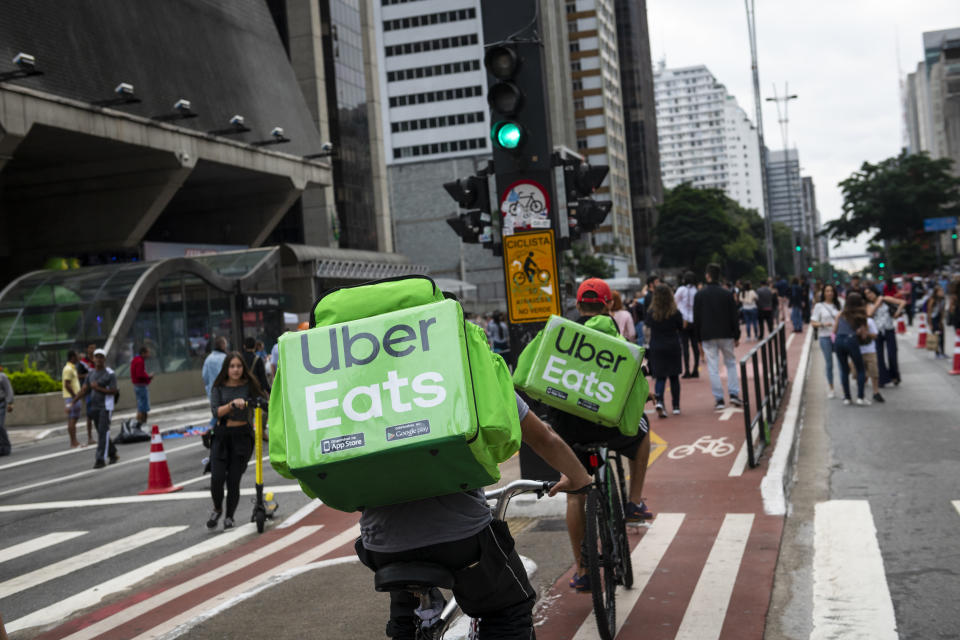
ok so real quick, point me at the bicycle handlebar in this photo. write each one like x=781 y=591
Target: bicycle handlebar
x=504 y=494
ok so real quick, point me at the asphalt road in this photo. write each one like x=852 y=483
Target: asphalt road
x=131 y=535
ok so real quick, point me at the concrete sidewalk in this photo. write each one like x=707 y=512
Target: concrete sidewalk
x=32 y=433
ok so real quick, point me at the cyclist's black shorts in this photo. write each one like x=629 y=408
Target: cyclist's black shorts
x=576 y=430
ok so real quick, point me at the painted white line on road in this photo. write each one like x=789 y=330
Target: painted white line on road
x=301 y=513
x=22 y=549
x=81 y=474
x=85 y=559
x=707 y=607
x=740 y=464
x=851 y=599
x=728 y=413
x=772 y=485
x=956 y=505
x=646 y=558
x=90 y=597
x=272 y=581
x=145 y=606
x=161 y=497
x=790 y=339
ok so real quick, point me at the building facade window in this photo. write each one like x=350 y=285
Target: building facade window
x=433 y=70
x=435 y=96
x=439 y=147
x=429 y=19
x=436 y=44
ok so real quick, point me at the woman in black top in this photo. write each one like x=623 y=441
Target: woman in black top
x=664 y=355
x=232 y=436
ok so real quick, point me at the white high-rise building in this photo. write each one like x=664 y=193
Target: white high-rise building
x=706 y=138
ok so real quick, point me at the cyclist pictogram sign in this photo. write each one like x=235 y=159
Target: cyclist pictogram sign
x=525 y=205
x=530 y=267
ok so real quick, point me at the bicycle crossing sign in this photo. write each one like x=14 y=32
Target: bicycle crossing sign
x=530 y=268
x=524 y=206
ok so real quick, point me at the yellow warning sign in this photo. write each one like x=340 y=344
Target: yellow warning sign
x=530 y=267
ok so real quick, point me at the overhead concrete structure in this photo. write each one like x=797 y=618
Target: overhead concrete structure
x=83 y=172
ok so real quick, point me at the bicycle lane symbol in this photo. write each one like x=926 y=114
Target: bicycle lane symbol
x=716 y=447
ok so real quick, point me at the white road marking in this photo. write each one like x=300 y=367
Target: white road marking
x=728 y=413
x=81 y=474
x=48 y=456
x=85 y=559
x=707 y=607
x=304 y=558
x=772 y=485
x=301 y=513
x=851 y=599
x=956 y=505
x=790 y=339
x=160 y=497
x=206 y=476
x=740 y=464
x=36 y=544
x=272 y=581
x=646 y=558
x=85 y=599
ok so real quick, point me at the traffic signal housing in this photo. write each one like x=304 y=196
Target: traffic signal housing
x=581 y=180
x=471 y=193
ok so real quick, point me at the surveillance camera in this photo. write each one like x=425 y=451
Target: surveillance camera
x=237 y=121
x=124 y=89
x=277 y=132
x=327 y=147
x=182 y=105
x=24 y=60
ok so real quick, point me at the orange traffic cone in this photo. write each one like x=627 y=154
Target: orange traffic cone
x=922 y=332
x=159 y=480
x=901 y=325
x=956 y=356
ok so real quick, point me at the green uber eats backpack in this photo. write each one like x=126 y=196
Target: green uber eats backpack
x=587 y=370
x=392 y=397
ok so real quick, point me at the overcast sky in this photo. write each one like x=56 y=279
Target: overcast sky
x=838 y=56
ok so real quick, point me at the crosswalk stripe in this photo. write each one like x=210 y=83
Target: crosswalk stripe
x=159 y=599
x=22 y=549
x=85 y=559
x=707 y=607
x=88 y=598
x=645 y=558
x=850 y=594
x=956 y=505
x=304 y=558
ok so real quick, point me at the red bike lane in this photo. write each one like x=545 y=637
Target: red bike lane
x=704 y=568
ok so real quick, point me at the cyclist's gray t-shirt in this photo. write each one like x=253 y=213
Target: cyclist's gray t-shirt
x=409 y=525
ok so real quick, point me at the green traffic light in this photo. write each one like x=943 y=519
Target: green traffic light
x=954 y=236
x=508 y=135
x=883 y=264
x=799 y=248
x=810 y=269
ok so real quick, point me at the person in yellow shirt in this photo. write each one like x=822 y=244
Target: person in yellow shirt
x=71 y=387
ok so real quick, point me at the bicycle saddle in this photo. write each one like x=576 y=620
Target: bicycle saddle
x=412 y=576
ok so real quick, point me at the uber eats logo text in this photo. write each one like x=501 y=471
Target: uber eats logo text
x=364 y=402
x=577 y=346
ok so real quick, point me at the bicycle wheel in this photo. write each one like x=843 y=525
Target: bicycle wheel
x=603 y=579
x=621 y=544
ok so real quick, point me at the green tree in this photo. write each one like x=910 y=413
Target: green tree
x=586 y=264
x=890 y=199
x=693 y=227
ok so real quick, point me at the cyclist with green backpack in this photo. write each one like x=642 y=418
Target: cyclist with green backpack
x=593 y=303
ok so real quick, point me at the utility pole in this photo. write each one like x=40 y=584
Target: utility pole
x=767 y=222
x=783 y=118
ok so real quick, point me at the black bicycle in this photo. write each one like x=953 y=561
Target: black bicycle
x=435 y=615
x=606 y=549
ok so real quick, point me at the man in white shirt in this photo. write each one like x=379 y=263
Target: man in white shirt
x=684 y=299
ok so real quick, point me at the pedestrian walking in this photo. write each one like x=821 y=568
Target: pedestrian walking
x=748 y=305
x=499 y=336
x=878 y=308
x=795 y=299
x=637 y=310
x=718 y=331
x=936 y=312
x=824 y=314
x=254 y=363
x=101 y=383
x=70 y=381
x=233 y=438
x=664 y=355
x=688 y=341
x=849 y=327
x=6 y=406
x=84 y=367
x=765 y=308
x=623 y=318
x=868 y=351
x=141 y=381
x=211 y=367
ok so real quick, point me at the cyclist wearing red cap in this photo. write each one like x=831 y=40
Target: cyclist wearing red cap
x=593 y=306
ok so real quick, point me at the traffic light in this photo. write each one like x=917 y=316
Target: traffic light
x=810 y=269
x=799 y=248
x=954 y=236
x=505 y=98
x=580 y=181
x=472 y=193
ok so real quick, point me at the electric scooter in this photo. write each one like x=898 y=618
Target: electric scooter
x=264 y=506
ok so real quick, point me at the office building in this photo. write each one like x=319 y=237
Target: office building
x=706 y=138
x=932 y=100
x=819 y=245
x=786 y=192
x=640 y=122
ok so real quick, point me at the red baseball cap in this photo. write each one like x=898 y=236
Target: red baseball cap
x=600 y=289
